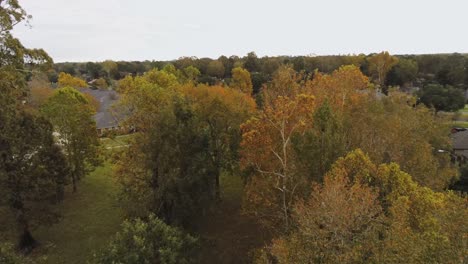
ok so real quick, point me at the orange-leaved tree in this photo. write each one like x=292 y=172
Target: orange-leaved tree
x=266 y=149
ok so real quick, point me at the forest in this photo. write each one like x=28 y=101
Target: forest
x=286 y=159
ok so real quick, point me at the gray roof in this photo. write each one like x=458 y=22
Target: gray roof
x=460 y=140
x=105 y=117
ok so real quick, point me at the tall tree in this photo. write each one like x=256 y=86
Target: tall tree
x=267 y=150
x=380 y=64
x=27 y=180
x=251 y=62
x=33 y=174
x=221 y=111
x=320 y=146
x=72 y=116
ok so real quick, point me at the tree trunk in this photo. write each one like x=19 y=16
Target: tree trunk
x=59 y=193
x=217 y=187
x=74 y=183
x=27 y=243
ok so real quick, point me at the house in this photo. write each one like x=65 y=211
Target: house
x=106 y=118
x=460 y=144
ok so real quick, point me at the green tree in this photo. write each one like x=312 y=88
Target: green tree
x=442 y=97
x=221 y=111
x=166 y=170
x=93 y=69
x=27 y=180
x=72 y=117
x=251 y=62
x=403 y=73
x=318 y=148
x=33 y=175
x=150 y=241
x=191 y=73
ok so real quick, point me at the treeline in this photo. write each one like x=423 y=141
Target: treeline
x=445 y=69
x=440 y=80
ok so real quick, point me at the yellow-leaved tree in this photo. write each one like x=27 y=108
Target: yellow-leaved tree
x=67 y=80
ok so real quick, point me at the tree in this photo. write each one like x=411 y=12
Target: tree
x=66 y=80
x=221 y=111
x=215 y=69
x=39 y=91
x=101 y=83
x=286 y=82
x=27 y=180
x=452 y=71
x=380 y=64
x=339 y=223
x=150 y=241
x=319 y=147
x=342 y=88
x=167 y=169
x=392 y=129
x=365 y=213
x=93 y=69
x=191 y=74
x=33 y=175
x=72 y=117
x=403 y=73
x=251 y=62
x=442 y=97
x=111 y=68
x=266 y=149
x=241 y=81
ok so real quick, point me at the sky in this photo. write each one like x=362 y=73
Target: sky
x=96 y=30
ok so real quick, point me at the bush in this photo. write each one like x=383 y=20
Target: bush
x=150 y=241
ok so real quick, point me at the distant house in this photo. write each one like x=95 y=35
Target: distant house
x=460 y=144
x=106 y=118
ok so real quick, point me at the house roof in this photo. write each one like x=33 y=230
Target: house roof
x=460 y=140
x=105 y=117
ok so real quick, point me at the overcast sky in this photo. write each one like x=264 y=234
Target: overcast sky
x=95 y=30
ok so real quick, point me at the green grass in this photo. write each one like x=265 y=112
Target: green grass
x=460 y=123
x=90 y=218
x=117 y=142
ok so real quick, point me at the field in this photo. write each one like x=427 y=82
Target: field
x=90 y=218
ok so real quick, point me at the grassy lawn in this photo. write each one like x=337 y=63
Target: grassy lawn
x=90 y=218
x=117 y=142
